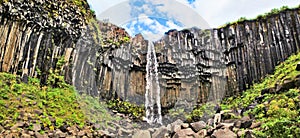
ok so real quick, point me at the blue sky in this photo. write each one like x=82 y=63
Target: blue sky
x=154 y=17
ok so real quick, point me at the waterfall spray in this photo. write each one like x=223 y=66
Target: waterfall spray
x=152 y=95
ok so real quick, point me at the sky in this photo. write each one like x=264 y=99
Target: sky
x=154 y=17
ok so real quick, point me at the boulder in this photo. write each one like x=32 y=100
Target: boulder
x=142 y=134
x=183 y=133
x=224 y=133
x=246 y=122
x=202 y=133
x=255 y=125
x=286 y=85
x=160 y=132
x=197 y=126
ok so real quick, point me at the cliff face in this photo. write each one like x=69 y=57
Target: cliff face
x=35 y=34
x=194 y=65
x=199 y=65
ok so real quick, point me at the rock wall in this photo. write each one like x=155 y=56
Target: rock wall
x=35 y=34
x=200 y=65
x=194 y=65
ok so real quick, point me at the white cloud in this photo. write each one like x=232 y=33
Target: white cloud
x=215 y=12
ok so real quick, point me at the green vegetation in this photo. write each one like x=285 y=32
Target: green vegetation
x=262 y=16
x=206 y=110
x=82 y=5
x=125 y=107
x=279 y=112
x=52 y=107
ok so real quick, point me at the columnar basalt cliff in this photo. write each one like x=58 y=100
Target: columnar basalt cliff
x=200 y=65
x=35 y=34
x=194 y=65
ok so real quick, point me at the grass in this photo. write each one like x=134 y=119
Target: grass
x=53 y=107
x=279 y=112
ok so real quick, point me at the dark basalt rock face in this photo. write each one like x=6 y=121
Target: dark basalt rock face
x=200 y=65
x=194 y=65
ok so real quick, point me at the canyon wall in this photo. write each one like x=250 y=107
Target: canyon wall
x=194 y=65
x=199 y=65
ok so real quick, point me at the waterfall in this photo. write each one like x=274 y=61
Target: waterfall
x=152 y=95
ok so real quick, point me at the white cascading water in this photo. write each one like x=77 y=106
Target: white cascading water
x=152 y=96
